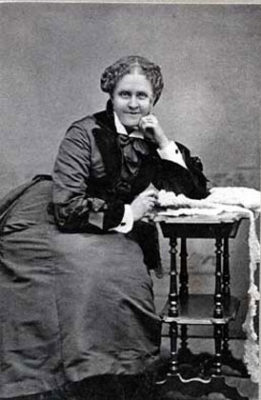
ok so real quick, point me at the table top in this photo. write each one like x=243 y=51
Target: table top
x=223 y=218
x=223 y=225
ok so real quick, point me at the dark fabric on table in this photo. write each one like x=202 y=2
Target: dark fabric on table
x=76 y=298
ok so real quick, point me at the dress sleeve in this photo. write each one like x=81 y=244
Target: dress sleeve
x=189 y=181
x=73 y=208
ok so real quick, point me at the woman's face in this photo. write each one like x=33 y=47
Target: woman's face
x=132 y=99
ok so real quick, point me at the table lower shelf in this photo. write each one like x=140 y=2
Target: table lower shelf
x=198 y=309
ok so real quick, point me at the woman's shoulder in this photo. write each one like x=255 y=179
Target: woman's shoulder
x=88 y=124
x=82 y=130
x=85 y=123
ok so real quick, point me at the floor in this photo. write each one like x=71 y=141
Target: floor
x=245 y=387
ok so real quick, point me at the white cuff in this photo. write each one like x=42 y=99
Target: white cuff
x=172 y=153
x=127 y=221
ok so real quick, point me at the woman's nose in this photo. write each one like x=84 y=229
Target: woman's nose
x=133 y=103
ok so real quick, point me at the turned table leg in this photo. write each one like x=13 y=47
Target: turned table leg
x=226 y=272
x=173 y=290
x=183 y=290
x=226 y=339
x=173 y=332
x=184 y=338
x=218 y=311
x=218 y=348
x=173 y=307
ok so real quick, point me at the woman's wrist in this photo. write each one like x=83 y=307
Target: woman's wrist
x=163 y=142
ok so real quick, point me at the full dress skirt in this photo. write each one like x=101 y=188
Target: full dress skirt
x=72 y=305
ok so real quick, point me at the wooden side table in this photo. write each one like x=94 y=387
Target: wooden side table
x=184 y=309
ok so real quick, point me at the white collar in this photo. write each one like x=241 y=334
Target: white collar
x=121 y=129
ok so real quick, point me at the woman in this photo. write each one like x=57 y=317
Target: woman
x=76 y=294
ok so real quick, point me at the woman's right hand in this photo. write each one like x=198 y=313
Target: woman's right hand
x=143 y=203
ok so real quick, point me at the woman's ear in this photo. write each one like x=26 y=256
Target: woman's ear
x=154 y=100
x=111 y=100
x=109 y=106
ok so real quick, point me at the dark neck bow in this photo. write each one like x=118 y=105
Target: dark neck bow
x=133 y=149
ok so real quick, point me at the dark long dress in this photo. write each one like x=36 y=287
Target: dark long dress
x=76 y=298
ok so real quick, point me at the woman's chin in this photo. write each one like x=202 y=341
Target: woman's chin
x=131 y=121
x=132 y=124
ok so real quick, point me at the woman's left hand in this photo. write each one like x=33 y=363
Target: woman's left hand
x=152 y=129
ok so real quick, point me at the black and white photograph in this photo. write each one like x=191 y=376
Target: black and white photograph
x=129 y=201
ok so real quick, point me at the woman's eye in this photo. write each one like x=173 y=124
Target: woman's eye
x=142 y=96
x=124 y=94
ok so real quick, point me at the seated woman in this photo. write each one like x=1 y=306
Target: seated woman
x=76 y=293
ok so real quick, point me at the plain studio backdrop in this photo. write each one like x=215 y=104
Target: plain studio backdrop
x=52 y=57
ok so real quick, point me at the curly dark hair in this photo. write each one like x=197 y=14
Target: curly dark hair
x=126 y=65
